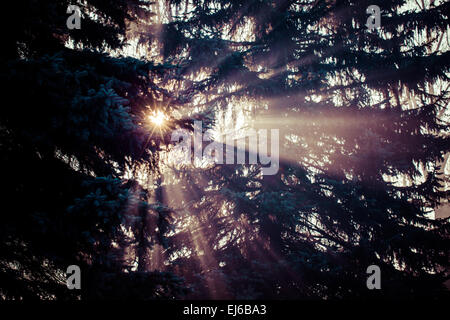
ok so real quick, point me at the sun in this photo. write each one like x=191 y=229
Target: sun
x=158 y=118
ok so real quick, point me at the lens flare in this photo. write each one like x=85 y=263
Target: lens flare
x=158 y=118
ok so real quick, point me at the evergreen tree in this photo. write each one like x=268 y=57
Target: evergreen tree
x=357 y=109
x=363 y=127
x=75 y=122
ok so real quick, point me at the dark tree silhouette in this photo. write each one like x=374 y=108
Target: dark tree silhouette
x=74 y=123
x=363 y=137
x=357 y=110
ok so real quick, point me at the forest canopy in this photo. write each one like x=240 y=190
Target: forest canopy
x=357 y=123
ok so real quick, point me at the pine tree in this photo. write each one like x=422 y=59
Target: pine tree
x=357 y=110
x=73 y=124
x=363 y=127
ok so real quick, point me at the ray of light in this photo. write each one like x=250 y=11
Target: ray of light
x=193 y=227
